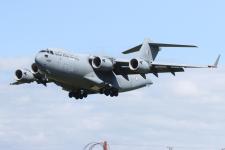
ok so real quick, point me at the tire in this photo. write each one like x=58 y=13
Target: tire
x=71 y=94
x=76 y=97
x=85 y=95
x=107 y=92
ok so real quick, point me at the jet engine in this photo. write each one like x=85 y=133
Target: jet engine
x=35 y=70
x=24 y=76
x=103 y=64
x=140 y=66
x=40 y=77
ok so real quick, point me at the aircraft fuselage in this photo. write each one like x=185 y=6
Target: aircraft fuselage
x=76 y=72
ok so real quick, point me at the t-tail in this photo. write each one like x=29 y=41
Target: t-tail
x=149 y=50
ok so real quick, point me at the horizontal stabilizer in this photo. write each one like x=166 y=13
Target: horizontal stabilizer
x=158 y=45
x=170 y=45
x=132 y=50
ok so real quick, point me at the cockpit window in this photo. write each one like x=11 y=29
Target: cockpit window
x=42 y=51
x=47 y=51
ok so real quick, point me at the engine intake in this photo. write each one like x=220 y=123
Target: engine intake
x=24 y=76
x=34 y=68
x=103 y=64
x=140 y=66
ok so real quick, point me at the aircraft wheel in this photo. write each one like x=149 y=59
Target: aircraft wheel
x=101 y=91
x=107 y=92
x=79 y=96
x=112 y=93
x=70 y=94
x=76 y=96
x=85 y=95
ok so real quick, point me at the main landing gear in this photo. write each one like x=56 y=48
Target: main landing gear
x=80 y=94
x=110 y=92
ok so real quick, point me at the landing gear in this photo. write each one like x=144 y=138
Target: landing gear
x=80 y=94
x=71 y=94
x=109 y=92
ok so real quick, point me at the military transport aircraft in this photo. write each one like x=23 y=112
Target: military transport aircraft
x=83 y=74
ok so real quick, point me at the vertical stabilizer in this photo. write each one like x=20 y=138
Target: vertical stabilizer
x=148 y=52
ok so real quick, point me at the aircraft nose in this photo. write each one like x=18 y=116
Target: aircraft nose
x=38 y=59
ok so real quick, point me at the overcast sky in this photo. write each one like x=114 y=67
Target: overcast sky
x=186 y=111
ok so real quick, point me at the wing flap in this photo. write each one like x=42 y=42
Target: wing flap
x=125 y=70
x=158 y=65
x=215 y=65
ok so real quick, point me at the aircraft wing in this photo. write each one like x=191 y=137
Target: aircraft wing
x=186 y=66
x=17 y=83
x=165 y=65
x=122 y=67
x=38 y=82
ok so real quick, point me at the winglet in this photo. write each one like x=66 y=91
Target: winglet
x=216 y=63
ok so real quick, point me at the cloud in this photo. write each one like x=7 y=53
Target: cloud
x=185 y=110
x=185 y=88
x=8 y=64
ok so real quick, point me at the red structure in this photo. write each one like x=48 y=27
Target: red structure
x=92 y=145
x=105 y=146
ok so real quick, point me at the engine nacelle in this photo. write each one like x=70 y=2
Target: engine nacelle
x=25 y=76
x=34 y=68
x=139 y=65
x=38 y=74
x=103 y=64
x=36 y=71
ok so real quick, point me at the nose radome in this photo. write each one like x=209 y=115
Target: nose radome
x=38 y=59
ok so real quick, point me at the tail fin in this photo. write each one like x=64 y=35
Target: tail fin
x=149 y=50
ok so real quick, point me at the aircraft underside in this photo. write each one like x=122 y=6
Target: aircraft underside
x=81 y=88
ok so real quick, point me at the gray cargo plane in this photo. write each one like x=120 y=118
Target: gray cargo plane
x=83 y=74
